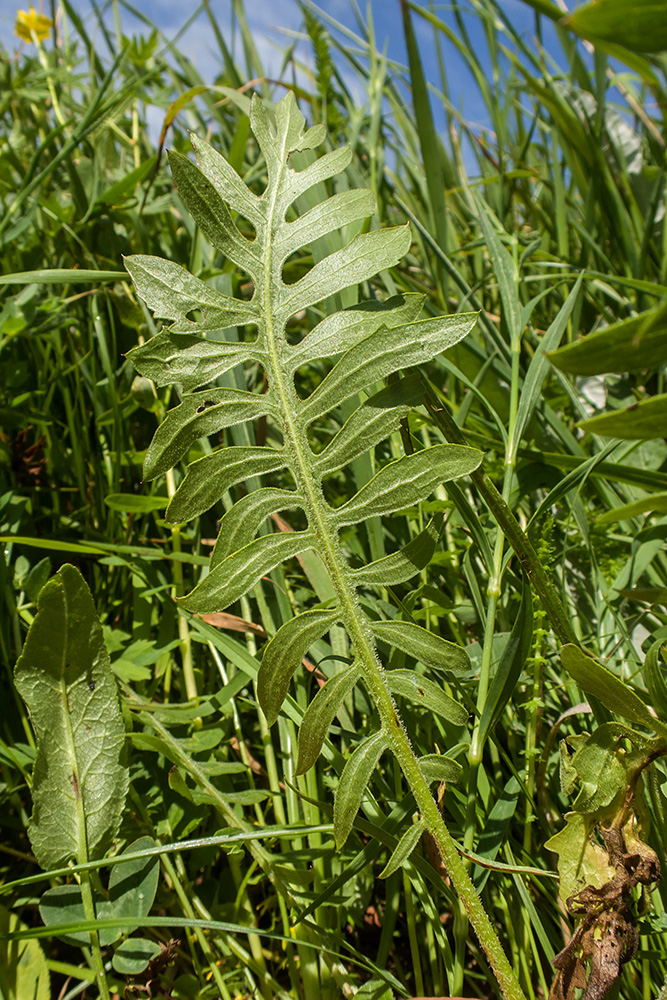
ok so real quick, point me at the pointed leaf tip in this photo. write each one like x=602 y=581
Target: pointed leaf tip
x=354 y=780
x=284 y=653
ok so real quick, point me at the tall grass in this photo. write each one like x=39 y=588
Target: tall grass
x=551 y=222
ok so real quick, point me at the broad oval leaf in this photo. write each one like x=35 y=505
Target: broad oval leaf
x=132 y=957
x=239 y=572
x=284 y=653
x=80 y=779
x=629 y=346
x=170 y=358
x=197 y=416
x=644 y=421
x=436 y=767
x=239 y=525
x=210 y=477
x=383 y=352
x=132 y=888
x=404 y=564
x=353 y=783
x=403 y=849
x=320 y=714
x=64 y=905
x=595 y=679
x=408 y=480
x=418 y=642
x=424 y=693
x=133 y=884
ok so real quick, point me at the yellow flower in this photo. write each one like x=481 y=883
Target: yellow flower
x=26 y=23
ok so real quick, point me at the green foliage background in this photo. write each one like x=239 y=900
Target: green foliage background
x=568 y=186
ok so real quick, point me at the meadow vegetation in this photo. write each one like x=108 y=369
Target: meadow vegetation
x=483 y=399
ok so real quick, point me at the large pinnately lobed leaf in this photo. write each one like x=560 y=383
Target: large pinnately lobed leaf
x=366 y=344
x=65 y=678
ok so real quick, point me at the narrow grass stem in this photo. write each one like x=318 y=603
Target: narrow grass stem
x=177 y=591
x=411 y=920
x=188 y=911
x=96 y=951
x=515 y=535
x=43 y=58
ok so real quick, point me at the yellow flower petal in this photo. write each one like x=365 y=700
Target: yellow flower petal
x=26 y=23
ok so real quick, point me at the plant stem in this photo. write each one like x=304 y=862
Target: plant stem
x=89 y=910
x=321 y=519
x=82 y=859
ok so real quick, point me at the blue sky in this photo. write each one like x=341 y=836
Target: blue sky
x=274 y=22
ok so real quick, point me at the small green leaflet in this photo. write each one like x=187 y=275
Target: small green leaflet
x=371 y=423
x=239 y=525
x=320 y=714
x=284 y=653
x=235 y=575
x=353 y=783
x=199 y=415
x=404 y=564
x=188 y=360
x=403 y=849
x=425 y=646
x=408 y=480
x=340 y=331
x=210 y=477
x=437 y=767
x=424 y=693
x=384 y=352
x=172 y=292
x=211 y=214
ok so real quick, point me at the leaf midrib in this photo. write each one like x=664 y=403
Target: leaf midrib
x=304 y=471
x=74 y=776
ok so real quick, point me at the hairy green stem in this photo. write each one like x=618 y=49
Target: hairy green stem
x=321 y=520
